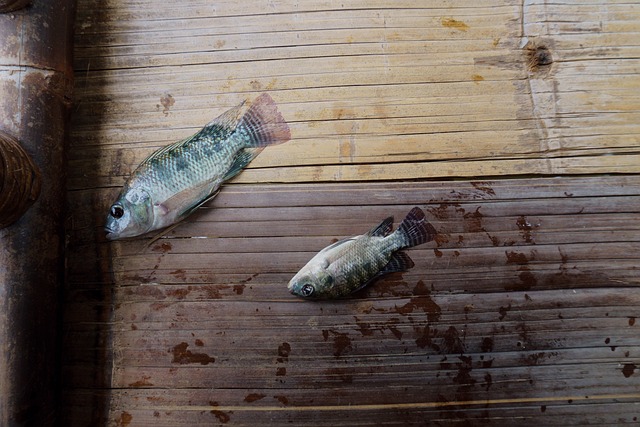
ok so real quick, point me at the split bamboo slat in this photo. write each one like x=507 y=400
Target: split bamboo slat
x=513 y=125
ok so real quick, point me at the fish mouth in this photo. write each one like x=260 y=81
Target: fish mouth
x=111 y=233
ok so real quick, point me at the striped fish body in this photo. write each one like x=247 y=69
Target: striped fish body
x=175 y=180
x=352 y=263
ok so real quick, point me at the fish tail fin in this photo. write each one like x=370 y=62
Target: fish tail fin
x=415 y=229
x=264 y=123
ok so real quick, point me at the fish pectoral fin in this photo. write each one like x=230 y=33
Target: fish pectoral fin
x=399 y=261
x=183 y=202
x=192 y=209
x=243 y=158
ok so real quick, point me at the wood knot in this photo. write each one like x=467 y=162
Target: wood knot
x=538 y=56
x=20 y=180
x=13 y=5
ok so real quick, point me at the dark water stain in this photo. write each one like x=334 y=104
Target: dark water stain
x=213 y=291
x=442 y=211
x=180 y=293
x=632 y=320
x=473 y=221
x=503 y=311
x=284 y=350
x=125 y=419
x=183 y=356
x=421 y=301
x=222 y=416
x=162 y=247
x=525 y=229
x=441 y=239
x=453 y=343
x=179 y=274
x=527 y=280
x=533 y=359
x=487 y=345
x=341 y=343
x=466 y=382
x=144 y=382
x=167 y=102
x=281 y=372
x=282 y=399
x=150 y=291
x=516 y=258
x=248 y=279
x=524 y=336
x=464 y=371
x=488 y=380
x=365 y=328
x=485 y=364
x=484 y=186
x=425 y=338
x=325 y=334
x=628 y=369
x=254 y=397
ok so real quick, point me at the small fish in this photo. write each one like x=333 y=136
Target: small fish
x=352 y=263
x=177 y=179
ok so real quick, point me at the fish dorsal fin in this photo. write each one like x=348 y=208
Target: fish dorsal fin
x=336 y=244
x=159 y=153
x=227 y=120
x=223 y=126
x=382 y=229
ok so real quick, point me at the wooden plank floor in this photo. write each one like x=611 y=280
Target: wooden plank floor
x=514 y=125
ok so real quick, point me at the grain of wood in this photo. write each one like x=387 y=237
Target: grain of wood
x=513 y=125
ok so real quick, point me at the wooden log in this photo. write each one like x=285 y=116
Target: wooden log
x=35 y=92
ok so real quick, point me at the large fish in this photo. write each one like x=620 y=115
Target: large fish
x=352 y=263
x=175 y=180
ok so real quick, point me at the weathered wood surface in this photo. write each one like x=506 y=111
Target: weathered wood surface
x=514 y=125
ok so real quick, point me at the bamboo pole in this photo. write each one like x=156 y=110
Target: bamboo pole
x=35 y=87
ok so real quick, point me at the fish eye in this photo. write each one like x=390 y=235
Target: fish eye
x=117 y=211
x=307 y=289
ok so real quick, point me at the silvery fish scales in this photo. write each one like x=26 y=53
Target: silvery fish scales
x=175 y=180
x=352 y=263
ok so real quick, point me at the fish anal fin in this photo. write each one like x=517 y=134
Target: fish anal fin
x=399 y=261
x=182 y=203
x=243 y=158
